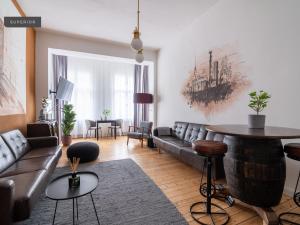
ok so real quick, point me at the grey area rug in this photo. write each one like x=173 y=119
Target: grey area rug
x=125 y=195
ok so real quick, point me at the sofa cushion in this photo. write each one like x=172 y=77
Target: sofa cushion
x=137 y=135
x=16 y=142
x=28 y=187
x=162 y=131
x=7 y=158
x=175 y=141
x=190 y=157
x=167 y=138
x=180 y=143
x=192 y=132
x=179 y=129
x=28 y=165
x=167 y=143
x=211 y=136
x=202 y=133
x=41 y=152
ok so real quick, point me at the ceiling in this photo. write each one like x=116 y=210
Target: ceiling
x=114 y=20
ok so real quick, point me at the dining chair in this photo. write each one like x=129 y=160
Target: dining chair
x=119 y=126
x=91 y=126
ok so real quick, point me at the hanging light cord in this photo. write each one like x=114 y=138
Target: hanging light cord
x=138 y=16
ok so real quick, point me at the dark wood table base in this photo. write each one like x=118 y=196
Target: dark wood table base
x=255 y=170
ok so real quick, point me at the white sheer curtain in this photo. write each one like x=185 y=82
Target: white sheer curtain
x=100 y=85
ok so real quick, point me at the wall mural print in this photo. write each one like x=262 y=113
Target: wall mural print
x=216 y=81
x=12 y=70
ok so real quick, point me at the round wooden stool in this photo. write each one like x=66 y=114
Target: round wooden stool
x=293 y=152
x=210 y=212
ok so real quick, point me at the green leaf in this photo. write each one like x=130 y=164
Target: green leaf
x=258 y=101
x=69 y=120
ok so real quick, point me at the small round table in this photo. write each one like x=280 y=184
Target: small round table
x=255 y=165
x=58 y=189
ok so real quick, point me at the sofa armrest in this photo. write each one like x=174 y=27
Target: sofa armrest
x=42 y=142
x=7 y=189
x=162 y=131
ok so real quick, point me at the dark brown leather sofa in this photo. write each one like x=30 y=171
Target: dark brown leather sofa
x=178 y=142
x=25 y=168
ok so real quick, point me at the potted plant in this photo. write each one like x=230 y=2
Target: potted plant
x=258 y=102
x=67 y=124
x=106 y=113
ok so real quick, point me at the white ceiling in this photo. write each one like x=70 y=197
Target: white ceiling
x=114 y=20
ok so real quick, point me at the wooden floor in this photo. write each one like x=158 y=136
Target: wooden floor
x=178 y=181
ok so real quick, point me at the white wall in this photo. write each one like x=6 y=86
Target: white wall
x=46 y=40
x=268 y=35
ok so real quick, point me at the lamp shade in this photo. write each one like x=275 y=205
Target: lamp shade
x=136 y=44
x=143 y=98
x=139 y=57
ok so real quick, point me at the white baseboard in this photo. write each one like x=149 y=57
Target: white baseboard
x=288 y=191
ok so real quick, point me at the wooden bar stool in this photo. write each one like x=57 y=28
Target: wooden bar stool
x=211 y=212
x=293 y=152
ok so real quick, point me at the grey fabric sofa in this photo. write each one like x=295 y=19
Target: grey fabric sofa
x=178 y=142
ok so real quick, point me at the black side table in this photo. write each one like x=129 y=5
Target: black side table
x=59 y=190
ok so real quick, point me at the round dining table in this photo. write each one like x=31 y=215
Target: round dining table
x=255 y=165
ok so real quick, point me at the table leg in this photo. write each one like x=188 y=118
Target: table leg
x=95 y=208
x=77 y=209
x=97 y=132
x=73 y=211
x=54 y=213
x=115 y=130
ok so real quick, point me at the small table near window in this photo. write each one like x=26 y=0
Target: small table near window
x=113 y=123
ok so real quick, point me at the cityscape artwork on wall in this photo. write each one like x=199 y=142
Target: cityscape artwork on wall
x=216 y=80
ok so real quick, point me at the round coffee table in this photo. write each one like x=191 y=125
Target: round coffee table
x=58 y=190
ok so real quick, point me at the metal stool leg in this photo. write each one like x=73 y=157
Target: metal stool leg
x=218 y=191
x=203 y=185
x=73 y=211
x=208 y=198
x=208 y=210
x=285 y=220
x=76 y=209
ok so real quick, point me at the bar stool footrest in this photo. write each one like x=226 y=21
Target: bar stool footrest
x=286 y=221
x=213 y=215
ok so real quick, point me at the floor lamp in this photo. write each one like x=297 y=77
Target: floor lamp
x=142 y=98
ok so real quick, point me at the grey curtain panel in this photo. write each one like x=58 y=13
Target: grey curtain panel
x=137 y=89
x=60 y=69
x=145 y=89
x=141 y=85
